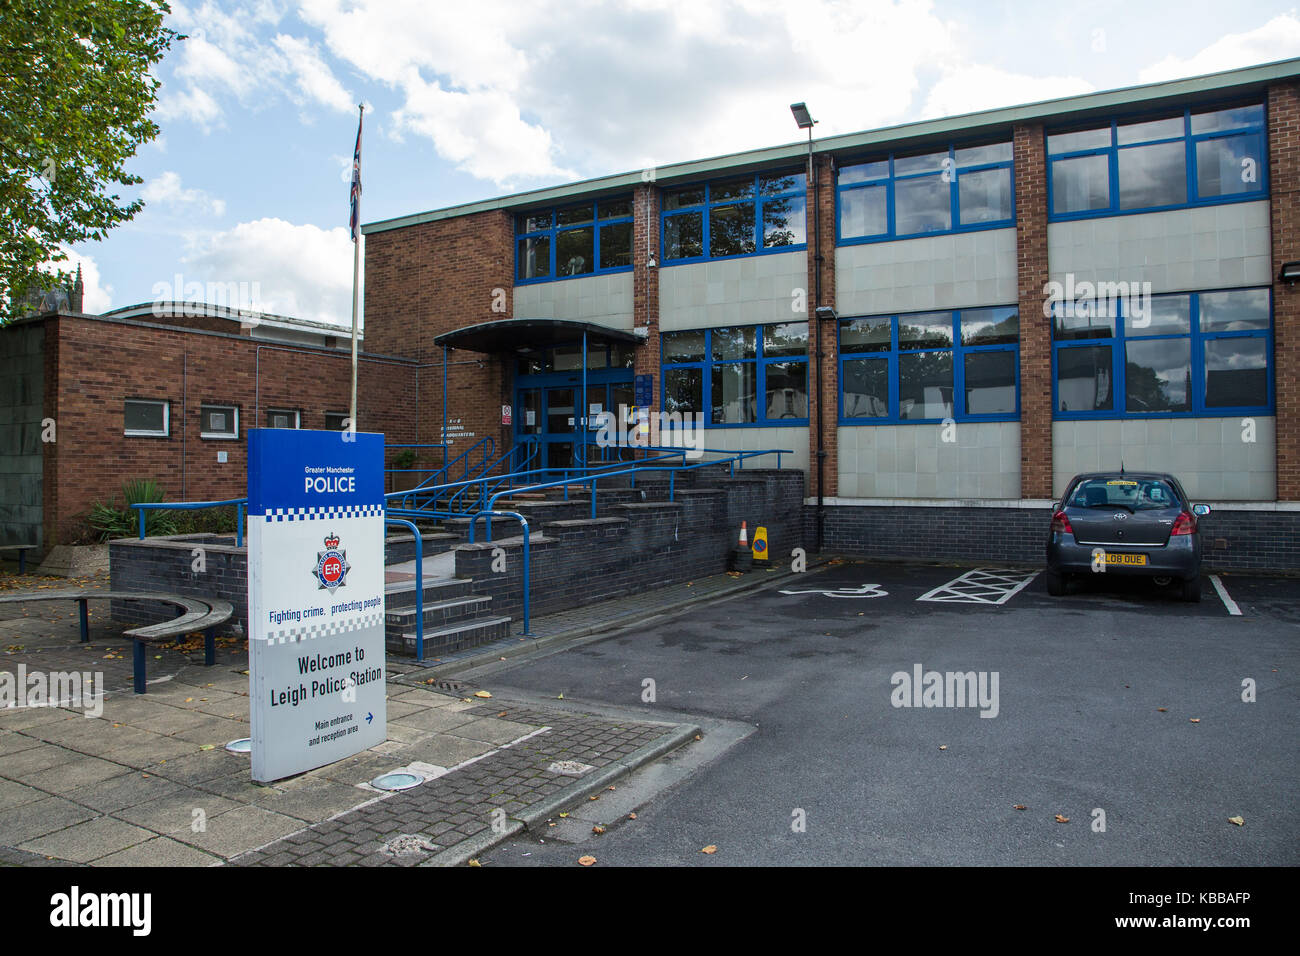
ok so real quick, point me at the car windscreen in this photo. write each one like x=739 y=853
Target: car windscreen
x=1135 y=494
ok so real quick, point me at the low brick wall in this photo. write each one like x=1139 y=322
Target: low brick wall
x=1233 y=540
x=169 y=564
x=635 y=546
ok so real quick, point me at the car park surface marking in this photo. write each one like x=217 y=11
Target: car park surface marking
x=865 y=591
x=1228 y=602
x=981 y=586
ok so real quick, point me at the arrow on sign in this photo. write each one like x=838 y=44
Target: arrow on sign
x=369 y=717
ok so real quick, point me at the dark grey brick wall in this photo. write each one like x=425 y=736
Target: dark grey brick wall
x=167 y=564
x=1233 y=540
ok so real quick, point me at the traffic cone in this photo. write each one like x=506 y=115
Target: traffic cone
x=744 y=539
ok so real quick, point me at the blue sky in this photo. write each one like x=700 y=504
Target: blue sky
x=246 y=187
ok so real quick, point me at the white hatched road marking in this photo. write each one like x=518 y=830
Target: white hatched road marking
x=865 y=591
x=1228 y=602
x=981 y=586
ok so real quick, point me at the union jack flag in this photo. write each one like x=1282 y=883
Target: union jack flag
x=354 y=196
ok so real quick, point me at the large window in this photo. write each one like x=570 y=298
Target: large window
x=1196 y=353
x=746 y=375
x=574 y=241
x=947 y=190
x=1194 y=157
x=734 y=217
x=929 y=366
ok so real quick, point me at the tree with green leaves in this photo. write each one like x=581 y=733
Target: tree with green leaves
x=76 y=93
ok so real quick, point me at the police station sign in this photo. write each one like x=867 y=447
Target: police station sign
x=315 y=597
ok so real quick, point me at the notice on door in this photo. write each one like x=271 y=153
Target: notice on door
x=315 y=598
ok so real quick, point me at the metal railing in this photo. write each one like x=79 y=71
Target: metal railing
x=239 y=503
x=487 y=444
x=419 y=587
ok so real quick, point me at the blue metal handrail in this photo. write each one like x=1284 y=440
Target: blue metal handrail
x=419 y=585
x=523 y=522
x=487 y=443
x=239 y=503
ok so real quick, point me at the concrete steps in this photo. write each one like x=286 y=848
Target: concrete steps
x=454 y=617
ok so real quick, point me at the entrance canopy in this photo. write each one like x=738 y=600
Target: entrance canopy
x=514 y=335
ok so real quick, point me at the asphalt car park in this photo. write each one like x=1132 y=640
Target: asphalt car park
x=1119 y=722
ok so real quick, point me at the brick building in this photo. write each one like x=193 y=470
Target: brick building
x=167 y=391
x=945 y=320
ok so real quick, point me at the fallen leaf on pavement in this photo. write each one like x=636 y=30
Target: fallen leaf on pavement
x=502 y=714
x=481 y=693
x=586 y=860
x=943 y=746
x=1163 y=710
x=631 y=816
x=563 y=815
x=1239 y=821
x=475 y=863
x=1019 y=806
x=710 y=849
x=598 y=829
x=1194 y=720
x=1061 y=819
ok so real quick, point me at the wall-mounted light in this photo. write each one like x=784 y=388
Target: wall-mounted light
x=801 y=115
x=1290 y=272
x=826 y=312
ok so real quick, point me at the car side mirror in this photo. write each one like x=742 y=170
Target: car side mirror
x=1200 y=510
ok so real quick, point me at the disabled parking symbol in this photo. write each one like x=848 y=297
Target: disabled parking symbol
x=863 y=591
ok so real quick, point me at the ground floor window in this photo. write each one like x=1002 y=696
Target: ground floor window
x=282 y=418
x=146 y=418
x=1192 y=353
x=930 y=366
x=219 y=421
x=740 y=375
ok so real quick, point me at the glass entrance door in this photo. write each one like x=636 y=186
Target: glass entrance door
x=560 y=428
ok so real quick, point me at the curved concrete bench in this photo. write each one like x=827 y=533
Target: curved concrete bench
x=196 y=615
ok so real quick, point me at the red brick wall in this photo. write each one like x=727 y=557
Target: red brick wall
x=434 y=277
x=828 y=397
x=93 y=366
x=1284 y=180
x=1035 y=332
x=645 y=282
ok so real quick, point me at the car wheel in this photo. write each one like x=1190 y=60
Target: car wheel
x=1055 y=583
x=1192 y=589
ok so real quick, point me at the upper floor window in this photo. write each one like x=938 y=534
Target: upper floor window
x=746 y=375
x=734 y=217
x=930 y=366
x=1193 y=353
x=947 y=190
x=1184 y=159
x=574 y=240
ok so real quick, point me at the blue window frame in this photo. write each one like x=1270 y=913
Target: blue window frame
x=570 y=241
x=902 y=195
x=1196 y=157
x=930 y=366
x=739 y=216
x=752 y=375
x=1190 y=354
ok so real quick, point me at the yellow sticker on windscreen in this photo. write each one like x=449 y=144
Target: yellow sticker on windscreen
x=1121 y=481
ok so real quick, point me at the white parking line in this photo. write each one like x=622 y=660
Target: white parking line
x=981 y=586
x=1228 y=602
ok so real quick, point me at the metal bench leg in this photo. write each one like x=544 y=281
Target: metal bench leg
x=138 y=656
x=22 y=561
x=85 y=622
x=209 y=647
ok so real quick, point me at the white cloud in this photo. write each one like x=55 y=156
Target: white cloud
x=166 y=189
x=301 y=271
x=312 y=76
x=191 y=104
x=969 y=89
x=97 y=296
x=1279 y=39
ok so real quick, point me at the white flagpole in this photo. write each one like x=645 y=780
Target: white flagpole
x=356 y=271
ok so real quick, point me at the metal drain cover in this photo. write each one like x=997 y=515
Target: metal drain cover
x=241 y=746
x=400 y=780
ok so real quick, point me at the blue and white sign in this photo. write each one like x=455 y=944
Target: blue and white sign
x=315 y=597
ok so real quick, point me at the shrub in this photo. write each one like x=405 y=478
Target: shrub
x=111 y=520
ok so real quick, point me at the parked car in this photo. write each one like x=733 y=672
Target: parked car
x=1129 y=524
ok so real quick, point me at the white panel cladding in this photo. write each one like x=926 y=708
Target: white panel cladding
x=746 y=291
x=1209 y=247
x=914 y=461
x=1212 y=457
x=763 y=439
x=603 y=300
x=954 y=271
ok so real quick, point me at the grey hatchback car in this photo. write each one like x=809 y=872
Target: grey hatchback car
x=1131 y=524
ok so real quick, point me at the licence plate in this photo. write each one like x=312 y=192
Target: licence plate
x=1130 y=559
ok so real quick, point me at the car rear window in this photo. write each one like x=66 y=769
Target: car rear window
x=1136 y=494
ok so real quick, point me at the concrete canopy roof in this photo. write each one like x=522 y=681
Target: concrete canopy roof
x=1067 y=110
x=513 y=335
